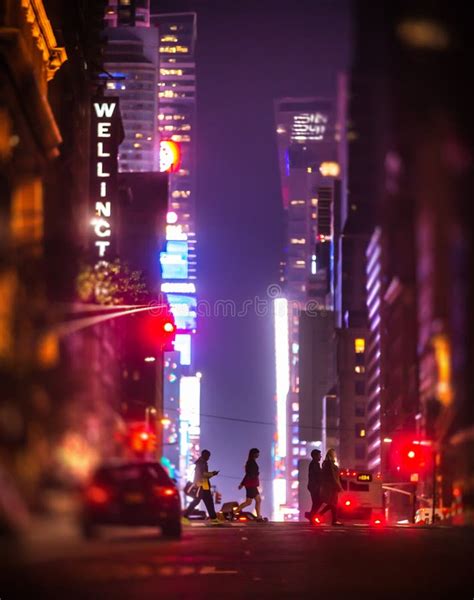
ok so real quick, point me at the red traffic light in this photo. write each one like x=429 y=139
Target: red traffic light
x=411 y=456
x=159 y=331
x=140 y=439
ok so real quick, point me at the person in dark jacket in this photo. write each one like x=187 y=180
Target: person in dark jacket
x=202 y=477
x=251 y=482
x=330 y=485
x=314 y=482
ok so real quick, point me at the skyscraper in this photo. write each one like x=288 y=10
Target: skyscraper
x=131 y=62
x=306 y=140
x=177 y=116
x=176 y=129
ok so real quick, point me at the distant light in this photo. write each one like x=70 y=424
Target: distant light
x=199 y=375
x=282 y=365
x=171 y=218
x=165 y=422
x=387 y=440
x=423 y=33
x=150 y=359
x=168 y=327
x=411 y=454
x=330 y=169
x=170 y=156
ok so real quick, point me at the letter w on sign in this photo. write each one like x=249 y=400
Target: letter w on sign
x=104 y=109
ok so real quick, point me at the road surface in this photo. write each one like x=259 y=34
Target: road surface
x=254 y=561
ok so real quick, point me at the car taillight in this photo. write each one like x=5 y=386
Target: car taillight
x=165 y=492
x=377 y=520
x=347 y=503
x=96 y=494
x=243 y=519
x=317 y=520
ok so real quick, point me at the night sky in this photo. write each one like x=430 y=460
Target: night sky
x=248 y=53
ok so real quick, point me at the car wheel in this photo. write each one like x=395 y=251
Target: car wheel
x=171 y=529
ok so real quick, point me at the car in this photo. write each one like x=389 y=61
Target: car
x=131 y=494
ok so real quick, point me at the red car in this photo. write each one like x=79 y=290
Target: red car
x=132 y=494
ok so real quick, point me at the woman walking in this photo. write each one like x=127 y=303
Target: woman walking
x=330 y=485
x=251 y=482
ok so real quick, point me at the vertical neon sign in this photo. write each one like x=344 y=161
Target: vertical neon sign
x=104 y=168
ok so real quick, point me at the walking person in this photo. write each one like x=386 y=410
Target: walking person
x=314 y=483
x=251 y=482
x=330 y=485
x=202 y=477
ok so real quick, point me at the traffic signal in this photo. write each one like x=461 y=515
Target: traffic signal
x=141 y=439
x=412 y=456
x=159 y=331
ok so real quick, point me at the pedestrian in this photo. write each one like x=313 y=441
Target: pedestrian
x=251 y=482
x=202 y=477
x=314 y=482
x=330 y=485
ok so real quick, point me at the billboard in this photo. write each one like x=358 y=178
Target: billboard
x=184 y=309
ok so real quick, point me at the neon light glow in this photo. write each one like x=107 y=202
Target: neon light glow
x=104 y=151
x=178 y=288
x=170 y=156
x=279 y=498
x=171 y=218
x=175 y=232
x=189 y=402
x=282 y=370
x=182 y=344
x=308 y=127
x=184 y=309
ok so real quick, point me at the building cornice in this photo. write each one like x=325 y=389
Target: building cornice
x=53 y=56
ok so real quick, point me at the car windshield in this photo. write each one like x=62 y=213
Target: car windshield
x=148 y=473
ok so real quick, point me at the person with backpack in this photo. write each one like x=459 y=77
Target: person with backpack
x=202 y=477
x=251 y=483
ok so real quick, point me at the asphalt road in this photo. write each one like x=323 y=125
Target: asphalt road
x=257 y=561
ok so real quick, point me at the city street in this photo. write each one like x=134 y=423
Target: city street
x=251 y=561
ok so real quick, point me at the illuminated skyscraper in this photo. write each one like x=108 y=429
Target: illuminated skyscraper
x=176 y=120
x=131 y=64
x=306 y=138
x=177 y=116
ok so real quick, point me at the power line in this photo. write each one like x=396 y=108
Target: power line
x=267 y=423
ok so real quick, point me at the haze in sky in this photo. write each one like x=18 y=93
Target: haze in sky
x=248 y=54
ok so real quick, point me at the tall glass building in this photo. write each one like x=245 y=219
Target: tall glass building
x=306 y=138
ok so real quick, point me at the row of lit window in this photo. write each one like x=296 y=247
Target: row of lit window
x=171 y=94
x=174 y=49
x=162 y=117
x=175 y=128
x=140 y=136
x=181 y=194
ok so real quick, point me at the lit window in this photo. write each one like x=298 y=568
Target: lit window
x=359 y=369
x=169 y=38
x=360 y=430
x=314 y=201
x=139 y=135
x=137 y=145
x=298 y=241
x=111 y=85
x=295 y=452
x=297 y=202
x=295 y=406
x=359 y=345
